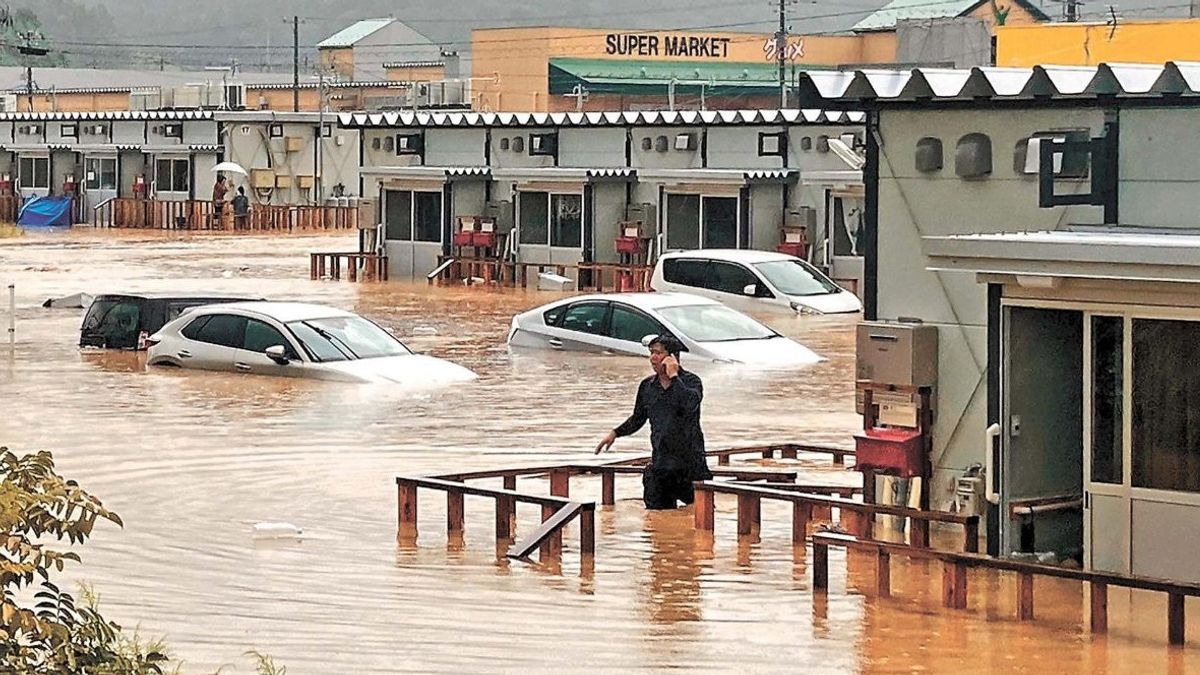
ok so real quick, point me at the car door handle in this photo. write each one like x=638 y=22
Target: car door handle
x=242 y=367
x=184 y=354
x=556 y=343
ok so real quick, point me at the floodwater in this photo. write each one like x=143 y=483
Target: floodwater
x=192 y=460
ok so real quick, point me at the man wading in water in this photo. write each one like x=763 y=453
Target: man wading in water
x=670 y=400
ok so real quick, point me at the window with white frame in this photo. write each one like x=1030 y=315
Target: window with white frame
x=551 y=218
x=100 y=173
x=701 y=221
x=172 y=175
x=413 y=216
x=34 y=173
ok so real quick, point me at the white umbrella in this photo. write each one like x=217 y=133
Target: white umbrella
x=230 y=167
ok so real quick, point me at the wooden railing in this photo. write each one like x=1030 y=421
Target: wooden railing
x=195 y=214
x=558 y=509
x=154 y=214
x=374 y=266
x=590 y=276
x=858 y=517
x=606 y=277
x=954 y=579
x=556 y=513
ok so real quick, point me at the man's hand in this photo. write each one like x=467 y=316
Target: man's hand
x=607 y=442
x=671 y=367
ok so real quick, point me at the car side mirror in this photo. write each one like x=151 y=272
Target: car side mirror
x=750 y=290
x=277 y=354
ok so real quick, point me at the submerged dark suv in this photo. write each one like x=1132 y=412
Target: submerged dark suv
x=124 y=321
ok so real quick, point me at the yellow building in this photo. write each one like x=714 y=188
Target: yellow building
x=1088 y=44
x=547 y=69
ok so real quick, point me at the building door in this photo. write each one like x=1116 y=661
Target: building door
x=1106 y=500
x=1042 y=429
x=412 y=231
x=550 y=227
x=99 y=181
x=173 y=179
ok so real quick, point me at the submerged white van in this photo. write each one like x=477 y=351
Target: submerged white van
x=753 y=280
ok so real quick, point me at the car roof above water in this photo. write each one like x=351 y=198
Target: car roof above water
x=648 y=300
x=283 y=312
x=733 y=255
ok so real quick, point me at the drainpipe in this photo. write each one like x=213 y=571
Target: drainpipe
x=671 y=95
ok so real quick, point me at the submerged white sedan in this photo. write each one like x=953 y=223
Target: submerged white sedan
x=619 y=322
x=291 y=339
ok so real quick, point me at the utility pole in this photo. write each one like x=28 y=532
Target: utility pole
x=26 y=49
x=295 y=64
x=781 y=50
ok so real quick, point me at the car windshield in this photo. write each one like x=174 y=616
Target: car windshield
x=715 y=323
x=796 y=277
x=344 y=338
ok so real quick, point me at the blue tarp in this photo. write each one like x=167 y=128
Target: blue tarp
x=46 y=212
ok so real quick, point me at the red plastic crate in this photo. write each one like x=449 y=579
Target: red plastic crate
x=463 y=238
x=483 y=239
x=631 y=245
x=798 y=250
x=890 y=450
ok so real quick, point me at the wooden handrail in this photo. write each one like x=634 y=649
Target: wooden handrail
x=749 y=497
x=329 y=264
x=556 y=513
x=954 y=579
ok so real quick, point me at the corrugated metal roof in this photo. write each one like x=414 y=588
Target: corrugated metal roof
x=125 y=115
x=597 y=119
x=889 y=15
x=872 y=88
x=414 y=64
x=349 y=36
x=771 y=175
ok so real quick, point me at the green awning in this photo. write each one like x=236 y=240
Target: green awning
x=612 y=76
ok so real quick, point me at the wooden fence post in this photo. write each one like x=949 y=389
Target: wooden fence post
x=801 y=514
x=407 y=502
x=820 y=566
x=748 y=513
x=505 y=506
x=587 y=532
x=551 y=549
x=1176 y=619
x=704 y=509
x=454 y=512
x=1025 y=596
x=883 y=573
x=954 y=585
x=560 y=483
x=608 y=488
x=1099 y=608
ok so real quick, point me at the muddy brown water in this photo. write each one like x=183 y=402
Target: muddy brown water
x=192 y=460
